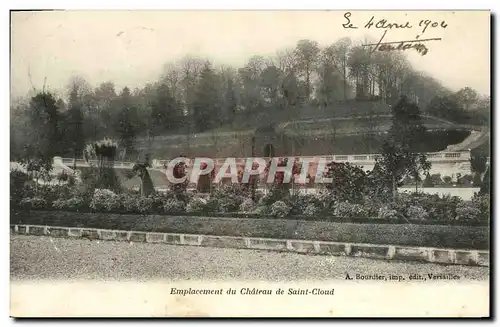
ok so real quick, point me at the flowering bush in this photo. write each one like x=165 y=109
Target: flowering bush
x=135 y=204
x=261 y=210
x=248 y=205
x=482 y=202
x=196 y=205
x=33 y=203
x=174 y=206
x=311 y=210
x=350 y=210
x=18 y=180
x=72 y=204
x=468 y=212
x=226 y=204
x=438 y=208
x=299 y=203
x=105 y=201
x=417 y=213
x=280 y=209
x=388 y=213
x=234 y=198
x=227 y=198
x=276 y=193
x=159 y=199
x=372 y=206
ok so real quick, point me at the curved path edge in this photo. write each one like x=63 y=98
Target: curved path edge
x=373 y=251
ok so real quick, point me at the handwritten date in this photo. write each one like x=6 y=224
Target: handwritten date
x=385 y=24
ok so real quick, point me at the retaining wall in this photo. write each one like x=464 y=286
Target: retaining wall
x=437 y=236
x=386 y=252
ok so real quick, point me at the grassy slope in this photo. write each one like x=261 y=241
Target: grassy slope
x=349 y=138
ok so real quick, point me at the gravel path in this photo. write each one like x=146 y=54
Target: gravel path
x=36 y=257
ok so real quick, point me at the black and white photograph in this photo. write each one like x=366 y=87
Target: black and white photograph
x=257 y=163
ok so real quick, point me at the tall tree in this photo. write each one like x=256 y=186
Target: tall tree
x=271 y=78
x=44 y=122
x=359 y=62
x=401 y=151
x=107 y=110
x=229 y=95
x=126 y=124
x=330 y=81
x=74 y=126
x=307 y=52
x=478 y=165
x=467 y=97
x=166 y=111
x=206 y=107
x=340 y=54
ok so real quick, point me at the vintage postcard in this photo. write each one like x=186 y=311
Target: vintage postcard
x=250 y=164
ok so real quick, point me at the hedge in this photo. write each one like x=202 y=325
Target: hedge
x=439 y=236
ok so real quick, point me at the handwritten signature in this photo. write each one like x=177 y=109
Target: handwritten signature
x=417 y=44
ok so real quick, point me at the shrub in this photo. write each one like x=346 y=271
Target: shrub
x=438 y=208
x=476 y=180
x=299 y=203
x=325 y=200
x=280 y=209
x=248 y=205
x=173 y=205
x=72 y=204
x=196 y=204
x=311 y=210
x=447 y=179
x=428 y=181
x=33 y=203
x=258 y=195
x=159 y=199
x=485 y=185
x=468 y=212
x=417 y=213
x=466 y=179
x=135 y=204
x=276 y=193
x=227 y=198
x=52 y=193
x=408 y=180
x=372 y=205
x=482 y=202
x=388 y=213
x=349 y=182
x=105 y=201
x=350 y=210
x=226 y=204
x=436 y=179
x=18 y=180
x=261 y=210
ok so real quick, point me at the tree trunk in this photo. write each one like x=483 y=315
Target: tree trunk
x=394 y=188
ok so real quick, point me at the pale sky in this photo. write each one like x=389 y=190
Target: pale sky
x=130 y=47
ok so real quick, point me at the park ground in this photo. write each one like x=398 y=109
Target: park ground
x=46 y=258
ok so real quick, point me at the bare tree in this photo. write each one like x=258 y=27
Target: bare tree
x=286 y=60
x=172 y=76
